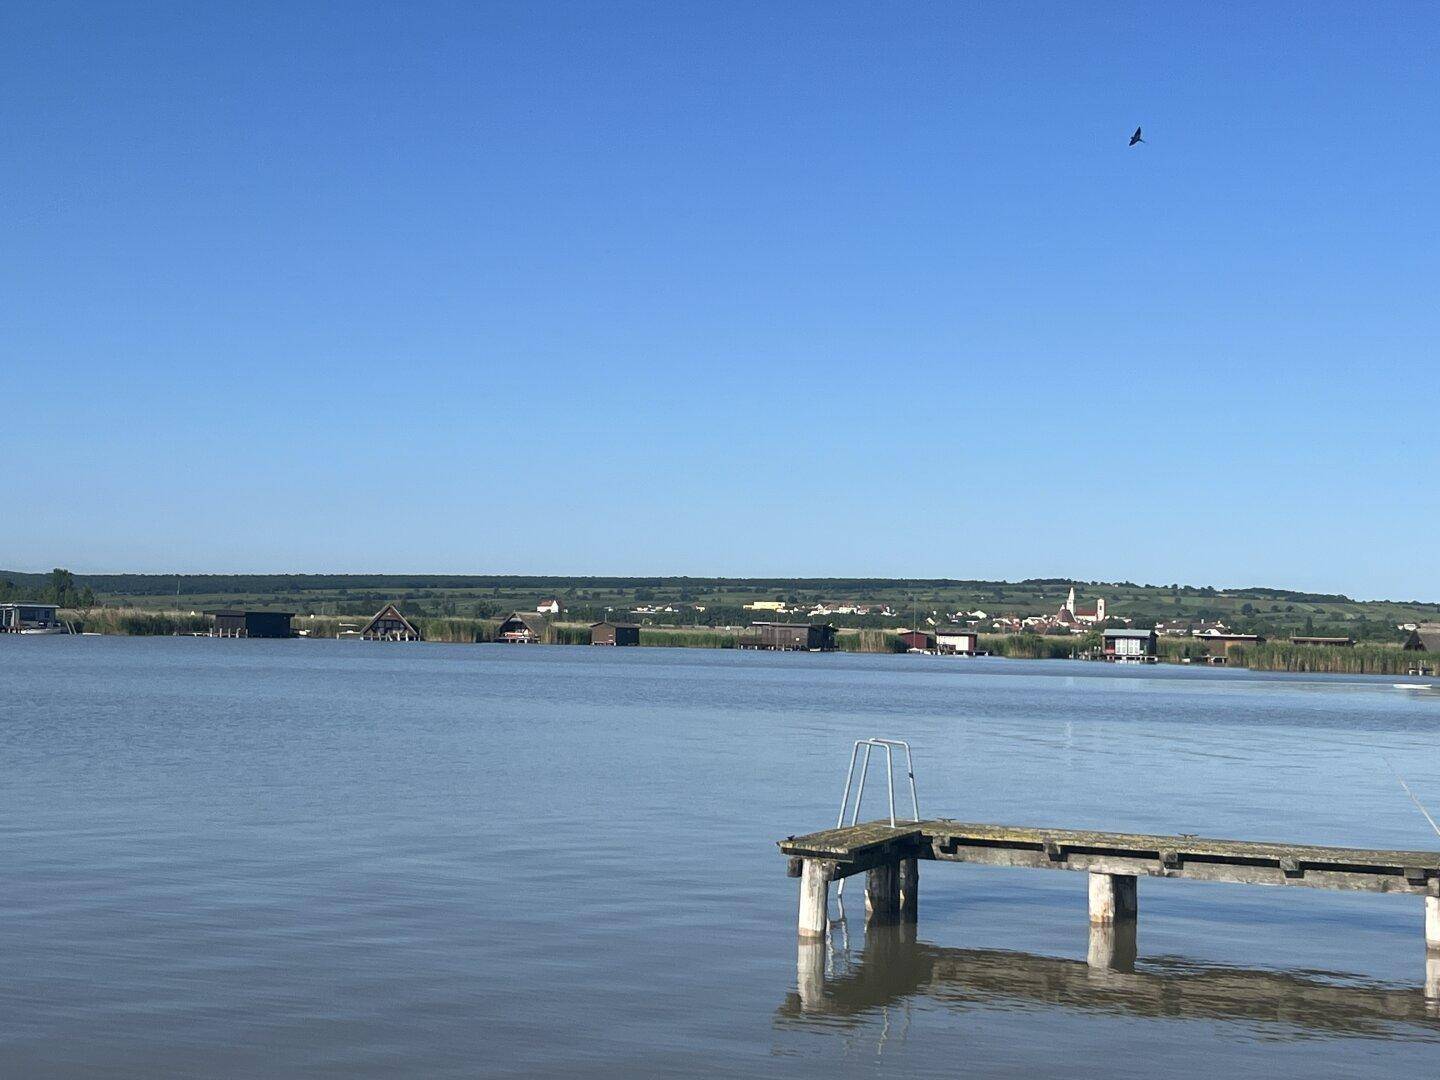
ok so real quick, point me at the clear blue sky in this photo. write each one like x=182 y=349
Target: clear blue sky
x=810 y=289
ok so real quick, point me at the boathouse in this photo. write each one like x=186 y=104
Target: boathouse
x=522 y=628
x=957 y=641
x=918 y=641
x=789 y=637
x=613 y=633
x=1223 y=642
x=233 y=623
x=1132 y=646
x=1424 y=638
x=15 y=618
x=1336 y=642
x=389 y=625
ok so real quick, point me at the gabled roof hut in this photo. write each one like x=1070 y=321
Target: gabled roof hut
x=522 y=628
x=1424 y=638
x=389 y=625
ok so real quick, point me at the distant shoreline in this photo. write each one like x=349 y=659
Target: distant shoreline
x=1358 y=659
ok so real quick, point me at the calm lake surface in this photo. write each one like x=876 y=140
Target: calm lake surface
x=322 y=858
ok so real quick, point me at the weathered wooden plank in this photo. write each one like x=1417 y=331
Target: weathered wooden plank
x=850 y=843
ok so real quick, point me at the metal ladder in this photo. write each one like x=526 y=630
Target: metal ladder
x=888 y=746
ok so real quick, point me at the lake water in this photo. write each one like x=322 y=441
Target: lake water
x=322 y=858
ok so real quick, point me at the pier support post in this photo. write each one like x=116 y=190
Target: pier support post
x=909 y=889
x=882 y=891
x=1432 y=923
x=1112 y=897
x=1113 y=946
x=815 y=878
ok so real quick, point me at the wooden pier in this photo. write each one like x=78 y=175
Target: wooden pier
x=890 y=856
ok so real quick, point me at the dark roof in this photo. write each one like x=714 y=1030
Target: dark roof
x=237 y=612
x=616 y=625
x=389 y=611
x=792 y=625
x=1426 y=638
x=535 y=623
x=1310 y=639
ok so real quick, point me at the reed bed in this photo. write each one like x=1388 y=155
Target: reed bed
x=869 y=641
x=686 y=638
x=1329 y=659
x=137 y=622
x=1030 y=646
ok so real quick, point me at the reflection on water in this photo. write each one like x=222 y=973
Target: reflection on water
x=893 y=969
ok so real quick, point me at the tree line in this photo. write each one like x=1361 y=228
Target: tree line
x=58 y=587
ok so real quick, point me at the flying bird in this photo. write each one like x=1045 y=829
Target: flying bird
x=1136 y=137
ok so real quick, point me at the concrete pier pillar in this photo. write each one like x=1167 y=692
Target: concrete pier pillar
x=909 y=889
x=815 y=878
x=1113 y=946
x=810 y=973
x=1432 y=923
x=882 y=891
x=1112 y=897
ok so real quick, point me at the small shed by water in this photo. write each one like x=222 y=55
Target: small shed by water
x=522 y=628
x=789 y=637
x=234 y=623
x=1424 y=638
x=15 y=618
x=613 y=633
x=1311 y=639
x=957 y=640
x=918 y=641
x=389 y=625
x=1135 y=646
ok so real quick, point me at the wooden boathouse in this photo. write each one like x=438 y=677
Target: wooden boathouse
x=19 y=618
x=233 y=623
x=789 y=637
x=613 y=633
x=1424 y=638
x=957 y=641
x=523 y=628
x=1130 y=646
x=918 y=641
x=389 y=625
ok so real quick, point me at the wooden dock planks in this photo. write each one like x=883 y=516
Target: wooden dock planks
x=863 y=847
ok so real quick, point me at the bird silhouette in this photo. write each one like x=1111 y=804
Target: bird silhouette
x=1136 y=137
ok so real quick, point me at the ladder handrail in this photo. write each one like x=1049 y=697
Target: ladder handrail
x=888 y=746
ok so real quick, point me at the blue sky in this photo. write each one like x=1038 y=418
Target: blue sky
x=810 y=289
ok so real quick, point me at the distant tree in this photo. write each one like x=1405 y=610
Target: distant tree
x=1247 y=608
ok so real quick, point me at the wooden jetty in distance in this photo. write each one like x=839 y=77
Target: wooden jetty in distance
x=890 y=855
